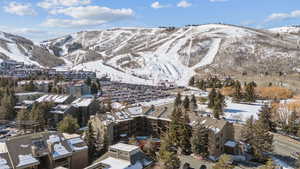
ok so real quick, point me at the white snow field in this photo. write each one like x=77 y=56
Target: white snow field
x=237 y=112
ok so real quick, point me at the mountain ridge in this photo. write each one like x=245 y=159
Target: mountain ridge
x=151 y=55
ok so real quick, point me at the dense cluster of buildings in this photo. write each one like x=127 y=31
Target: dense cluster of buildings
x=10 y=68
x=154 y=120
x=132 y=93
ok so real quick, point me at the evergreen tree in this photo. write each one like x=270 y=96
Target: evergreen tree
x=167 y=155
x=7 y=111
x=201 y=84
x=265 y=116
x=91 y=142
x=268 y=165
x=37 y=114
x=211 y=98
x=223 y=163
x=23 y=116
x=248 y=130
x=219 y=103
x=94 y=88
x=194 y=102
x=237 y=96
x=262 y=141
x=178 y=102
x=176 y=126
x=68 y=125
x=250 y=92
x=192 y=81
x=88 y=81
x=179 y=130
x=185 y=135
x=199 y=140
x=186 y=103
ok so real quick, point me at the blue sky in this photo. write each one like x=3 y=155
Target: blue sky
x=43 y=19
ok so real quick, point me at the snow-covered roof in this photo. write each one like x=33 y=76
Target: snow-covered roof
x=60 y=151
x=53 y=98
x=53 y=139
x=77 y=144
x=82 y=102
x=4 y=163
x=231 y=144
x=115 y=163
x=124 y=147
x=135 y=110
x=27 y=160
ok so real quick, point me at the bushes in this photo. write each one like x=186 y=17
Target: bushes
x=274 y=92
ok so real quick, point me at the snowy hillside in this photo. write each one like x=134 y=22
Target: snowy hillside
x=23 y=50
x=151 y=55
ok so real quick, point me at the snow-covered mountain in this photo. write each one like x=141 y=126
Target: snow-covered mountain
x=174 y=54
x=23 y=50
x=151 y=55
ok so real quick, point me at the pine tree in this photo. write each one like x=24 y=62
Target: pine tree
x=7 y=111
x=194 y=102
x=88 y=81
x=178 y=102
x=167 y=156
x=201 y=84
x=250 y=92
x=237 y=96
x=186 y=103
x=199 y=140
x=268 y=165
x=68 y=125
x=219 y=103
x=37 y=114
x=223 y=163
x=262 y=141
x=211 y=98
x=91 y=142
x=175 y=126
x=192 y=81
x=94 y=88
x=265 y=116
x=185 y=135
x=248 y=130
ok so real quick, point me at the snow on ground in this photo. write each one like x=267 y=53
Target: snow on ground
x=115 y=75
x=158 y=102
x=210 y=56
x=14 y=53
x=238 y=112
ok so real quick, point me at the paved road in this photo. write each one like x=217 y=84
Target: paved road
x=285 y=146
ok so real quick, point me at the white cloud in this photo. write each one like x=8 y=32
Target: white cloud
x=47 y=4
x=184 y=4
x=283 y=16
x=71 y=23
x=87 y=16
x=157 y=5
x=19 y=9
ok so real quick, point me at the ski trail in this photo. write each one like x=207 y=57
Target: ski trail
x=210 y=56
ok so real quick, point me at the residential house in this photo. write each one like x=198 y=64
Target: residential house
x=47 y=150
x=123 y=156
